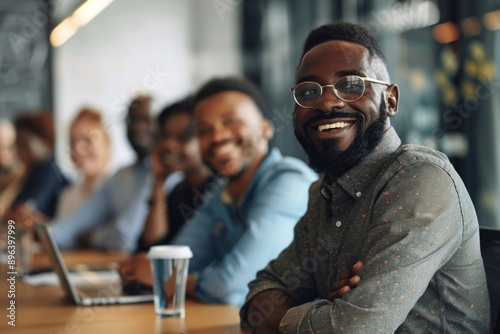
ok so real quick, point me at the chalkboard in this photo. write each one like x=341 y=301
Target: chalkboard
x=25 y=63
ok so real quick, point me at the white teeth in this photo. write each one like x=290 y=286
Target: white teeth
x=223 y=149
x=337 y=125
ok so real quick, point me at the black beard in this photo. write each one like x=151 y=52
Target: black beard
x=6 y=170
x=331 y=162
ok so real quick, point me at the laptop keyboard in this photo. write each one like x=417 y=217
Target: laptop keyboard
x=100 y=291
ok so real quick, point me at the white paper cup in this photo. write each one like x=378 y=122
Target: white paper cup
x=169 y=266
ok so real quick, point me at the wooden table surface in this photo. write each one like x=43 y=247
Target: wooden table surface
x=44 y=309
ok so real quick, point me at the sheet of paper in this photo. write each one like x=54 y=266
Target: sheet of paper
x=80 y=277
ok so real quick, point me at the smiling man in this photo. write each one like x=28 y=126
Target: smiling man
x=401 y=210
x=249 y=213
x=250 y=220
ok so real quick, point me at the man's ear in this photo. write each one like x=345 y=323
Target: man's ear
x=267 y=129
x=392 y=100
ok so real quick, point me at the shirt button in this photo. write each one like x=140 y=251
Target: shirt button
x=358 y=194
x=338 y=223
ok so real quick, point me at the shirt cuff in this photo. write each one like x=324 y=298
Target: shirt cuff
x=308 y=318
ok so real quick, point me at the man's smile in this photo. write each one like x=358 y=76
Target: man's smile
x=328 y=128
x=331 y=126
x=223 y=151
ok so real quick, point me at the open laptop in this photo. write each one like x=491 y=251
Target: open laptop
x=89 y=294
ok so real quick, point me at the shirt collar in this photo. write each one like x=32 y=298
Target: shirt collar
x=143 y=163
x=358 y=178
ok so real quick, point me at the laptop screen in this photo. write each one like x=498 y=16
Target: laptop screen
x=50 y=246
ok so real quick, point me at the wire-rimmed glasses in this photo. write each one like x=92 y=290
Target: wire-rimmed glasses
x=349 y=89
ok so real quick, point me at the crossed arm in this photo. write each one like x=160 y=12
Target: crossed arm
x=266 y=309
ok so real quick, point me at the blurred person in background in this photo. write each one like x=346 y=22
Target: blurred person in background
x=44 y=181
x=11 y=169
x=176 y=149
x=113 y=217
x=90 y=151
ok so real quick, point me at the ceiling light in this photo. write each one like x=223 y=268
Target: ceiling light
x=80 y=17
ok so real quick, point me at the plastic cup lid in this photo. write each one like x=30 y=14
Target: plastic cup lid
x=170 y=252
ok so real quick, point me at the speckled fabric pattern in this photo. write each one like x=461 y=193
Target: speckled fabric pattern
x=404 y=212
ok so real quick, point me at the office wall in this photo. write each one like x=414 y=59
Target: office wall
x=163 y=47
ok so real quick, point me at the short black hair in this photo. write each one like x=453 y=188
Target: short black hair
x=237 y=84
x=344 y=31
x=138 y=101
x=184 y=106
x=40 y=123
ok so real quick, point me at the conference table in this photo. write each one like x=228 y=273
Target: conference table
x=44 y=309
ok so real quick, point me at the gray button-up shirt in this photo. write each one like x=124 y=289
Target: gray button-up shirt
x=405 y=213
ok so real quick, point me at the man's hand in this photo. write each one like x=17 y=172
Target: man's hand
x=163 y=162
x=25 y=215
x=191 y=286
x=136 y=269
x=158 y=169
x=266 y=310
x=348 y=280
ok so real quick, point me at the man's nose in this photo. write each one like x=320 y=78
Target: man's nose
x=328 y=101
x=220 y=133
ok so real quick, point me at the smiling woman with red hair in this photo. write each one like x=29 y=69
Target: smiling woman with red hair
x=90 y=148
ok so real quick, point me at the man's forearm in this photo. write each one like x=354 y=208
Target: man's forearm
x=266 y=310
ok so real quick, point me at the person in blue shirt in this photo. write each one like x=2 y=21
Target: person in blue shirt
x=113 y=218
x=250 y=211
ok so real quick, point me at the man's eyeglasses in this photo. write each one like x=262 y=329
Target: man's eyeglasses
x=349 y=89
